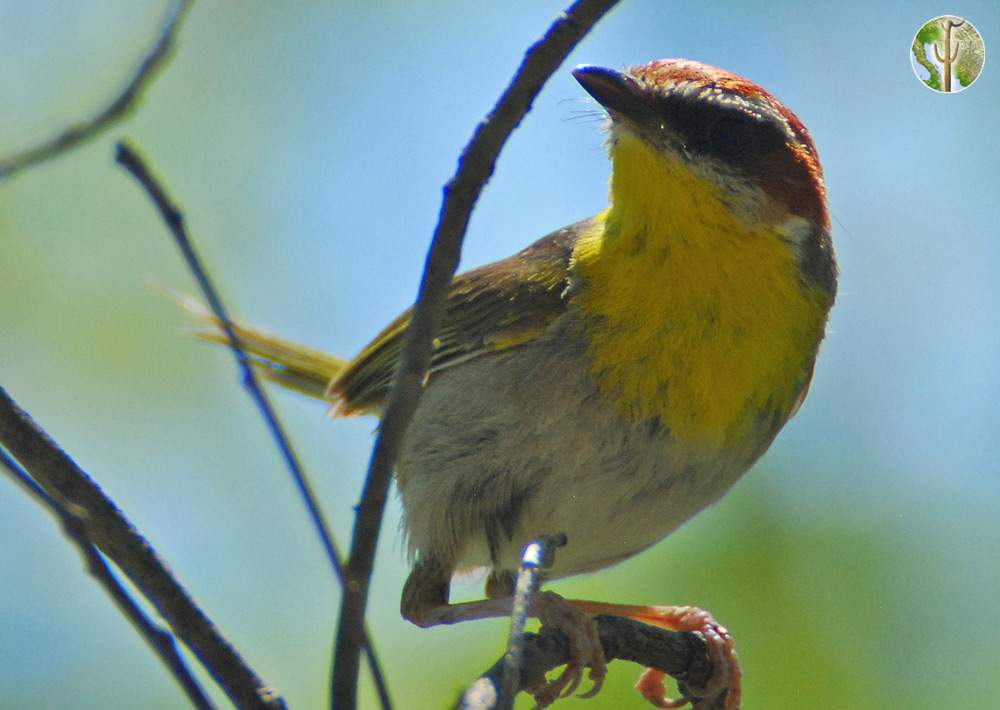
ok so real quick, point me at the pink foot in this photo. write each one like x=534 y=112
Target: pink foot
x=726 y=673
x=650 y=686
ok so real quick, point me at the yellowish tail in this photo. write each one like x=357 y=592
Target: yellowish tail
x=289 y=364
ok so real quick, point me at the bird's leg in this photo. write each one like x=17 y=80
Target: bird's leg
x=426 y=585
x=500 y=584
x=726 y=673
x=426 y=589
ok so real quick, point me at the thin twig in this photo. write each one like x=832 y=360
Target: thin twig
x=107 y=527
x=126 y=100
x=160 y=641
x=475 y=166
x=537 y=555
x=130 y=159
x=682 y=655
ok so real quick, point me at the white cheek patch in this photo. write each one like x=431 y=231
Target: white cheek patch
x=743 y=198
x=795 y=230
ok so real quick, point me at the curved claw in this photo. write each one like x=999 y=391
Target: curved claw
x=727 y=675
x=595 y=689
x=650 y=686
x=720 y=645
x=584 y=644
x=550 y=692
x=575 y=683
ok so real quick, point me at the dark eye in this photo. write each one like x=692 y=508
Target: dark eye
x=729 y=137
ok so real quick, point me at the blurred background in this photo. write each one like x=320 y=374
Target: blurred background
x=857 y=564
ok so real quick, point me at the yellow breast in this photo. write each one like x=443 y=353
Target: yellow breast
x=696 y=312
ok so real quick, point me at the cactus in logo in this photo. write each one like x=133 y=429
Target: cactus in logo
x=957 y=49
x=948 y=24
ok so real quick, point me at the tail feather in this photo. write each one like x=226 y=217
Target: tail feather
x=284 y=362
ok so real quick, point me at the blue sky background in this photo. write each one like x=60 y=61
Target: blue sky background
x=858 y=563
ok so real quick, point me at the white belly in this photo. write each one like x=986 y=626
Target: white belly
x=510 y=446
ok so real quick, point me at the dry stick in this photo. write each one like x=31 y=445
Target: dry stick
x=119 y=107
x=537 y=555
x=682 y=655
x=475 y=166
x=160 y=641
x=108 y=528
x=174 y=219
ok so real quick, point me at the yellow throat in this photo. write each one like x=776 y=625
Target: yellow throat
x=696 y=316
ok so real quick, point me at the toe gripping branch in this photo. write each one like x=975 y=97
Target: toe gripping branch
x=683 y=655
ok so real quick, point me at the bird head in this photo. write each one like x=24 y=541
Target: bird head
x=717 y=128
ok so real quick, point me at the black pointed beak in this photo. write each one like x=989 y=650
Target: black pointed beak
x=616 y=91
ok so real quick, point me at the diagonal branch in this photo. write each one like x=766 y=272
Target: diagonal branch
x=475 y=166
x=106 y=527
x=160 y=641
x=129 y=159
x=119 y=108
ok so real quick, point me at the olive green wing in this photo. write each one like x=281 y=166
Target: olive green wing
x=492 y=308
x=292 y=365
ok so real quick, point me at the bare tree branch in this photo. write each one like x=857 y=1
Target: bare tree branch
x=682 y=655
x=129 y=159
x=475 y=166
x=119 y=108
x=160 y=641
x=106 y=527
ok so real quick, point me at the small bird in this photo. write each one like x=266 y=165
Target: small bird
x=618 y=375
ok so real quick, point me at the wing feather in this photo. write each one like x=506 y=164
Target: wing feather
x=492 y=308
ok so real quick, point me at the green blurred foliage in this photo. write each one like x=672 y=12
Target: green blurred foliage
x=857 y=564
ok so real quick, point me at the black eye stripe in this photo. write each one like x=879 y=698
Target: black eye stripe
x=731 y=128
x=732 y=136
